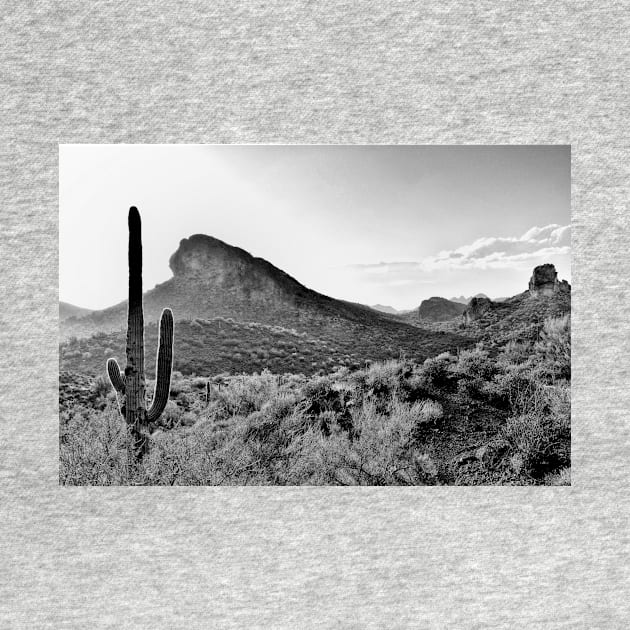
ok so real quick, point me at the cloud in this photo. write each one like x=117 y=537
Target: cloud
x=489 y=252
x=495 y=265
x=503 y=252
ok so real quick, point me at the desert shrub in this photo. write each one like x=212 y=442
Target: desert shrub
x=522 y=391
x=340 y=373
x=272 y=449
x=181 y=458
x=516 y=389
x=178 y=384
x=430 y=411
x=437 y=371
x=388 y=379
x=280 y=405
x=560 y=478
x=243 y=395
x=281 y=444
x=540 y=443
x=199 y=382
x=423 y=414
x=417 y=387
x=474 y=364
x=293 y=381
x=418 y=413
x=321 y=395
x=111 y=399
x=472 y=388
x=357 y=382
x=558 y=400
x=381 y=451
x=101 y=387
x=472 y=371
x=171 y=416
x=185 y=400
x=554 y=347
x=93 y=450
x=365 y=426
x=514 y=353
x=187 y=419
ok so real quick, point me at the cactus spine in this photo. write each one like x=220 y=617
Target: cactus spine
x=131 y=388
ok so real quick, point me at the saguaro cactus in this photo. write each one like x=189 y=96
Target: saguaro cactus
x=131 y=388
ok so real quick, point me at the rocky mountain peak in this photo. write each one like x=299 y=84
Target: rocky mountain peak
x=202 y=255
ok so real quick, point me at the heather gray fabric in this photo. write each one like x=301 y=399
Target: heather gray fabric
x=328 y=72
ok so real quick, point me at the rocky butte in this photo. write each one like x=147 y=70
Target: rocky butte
x=544 y=281
x=542 y=284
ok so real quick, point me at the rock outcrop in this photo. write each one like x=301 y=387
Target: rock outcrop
x=544 y=280
x=438 y=309
x=520 y=316
x=477 y=307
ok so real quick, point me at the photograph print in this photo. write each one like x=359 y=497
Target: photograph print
x=314 y=315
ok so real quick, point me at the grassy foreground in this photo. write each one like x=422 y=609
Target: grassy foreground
x=471 y=418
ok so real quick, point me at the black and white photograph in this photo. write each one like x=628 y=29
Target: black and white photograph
x=314 y=315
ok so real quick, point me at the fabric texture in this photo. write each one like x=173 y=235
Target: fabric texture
x=327 y=72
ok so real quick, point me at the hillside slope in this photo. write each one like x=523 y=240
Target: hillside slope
x=206 y=347
x=273 y=320
x=437 y=309
x=382 y=308
x=66 y=311
x=213 y=279
x=515 y=318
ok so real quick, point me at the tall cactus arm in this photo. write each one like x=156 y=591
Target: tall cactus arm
x=115 y=376
x=164 y=366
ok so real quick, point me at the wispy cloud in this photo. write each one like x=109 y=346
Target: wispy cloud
x=485 y=253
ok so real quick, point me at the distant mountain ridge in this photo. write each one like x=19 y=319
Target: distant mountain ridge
x=465 y=300
x=213 y=280
x=384 y=309
x=67 y=310
x=500 y=320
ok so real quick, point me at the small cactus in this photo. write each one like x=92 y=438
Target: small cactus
x=131 y=387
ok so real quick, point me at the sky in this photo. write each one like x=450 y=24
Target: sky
x=376 y=224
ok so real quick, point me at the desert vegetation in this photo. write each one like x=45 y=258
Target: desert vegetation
x=328 y=405
x=478 y=415
x=211 y=346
